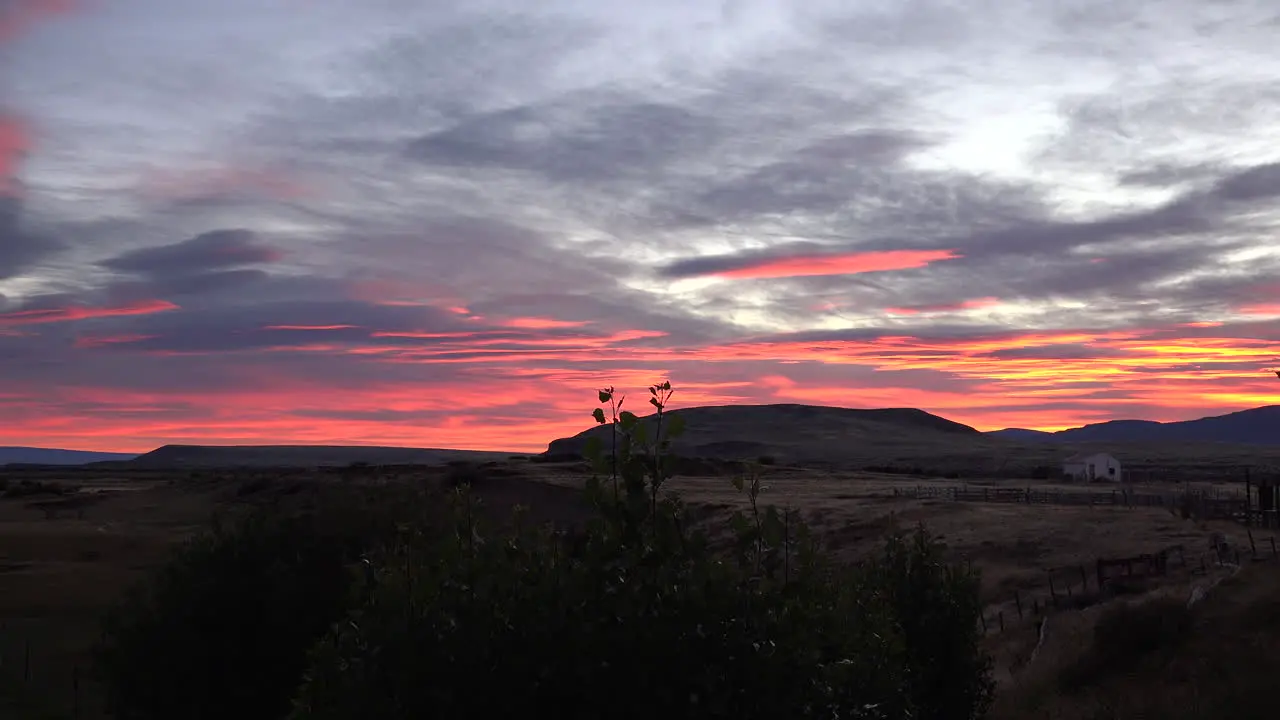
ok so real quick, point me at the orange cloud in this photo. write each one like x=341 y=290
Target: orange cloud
x=309 y=328
x=516 y=384
x=68 y=314
x=1265 y=309
x=17 y=15
x=843 y=264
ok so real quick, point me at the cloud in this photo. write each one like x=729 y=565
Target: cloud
x=73 y=313
x=17 y=15
x=782 y=265
x=974 y=304
x=14 y=143
x=213 y=250
x=398 y=222
x=223 y=185
x=20 y=248
x=614 y=138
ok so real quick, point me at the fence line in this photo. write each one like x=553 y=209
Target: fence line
x=19 y=670
x=1204 y=505
x=1085 y=584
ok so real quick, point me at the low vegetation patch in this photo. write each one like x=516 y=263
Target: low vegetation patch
x=35 y=488
x=1128 y=634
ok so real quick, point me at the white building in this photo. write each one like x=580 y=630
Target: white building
x=1092 y=467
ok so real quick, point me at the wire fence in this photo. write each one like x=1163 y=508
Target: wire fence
x=32 y=684
x=1085 y=584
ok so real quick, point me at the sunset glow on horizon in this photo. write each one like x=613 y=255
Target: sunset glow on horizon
x=448 y=225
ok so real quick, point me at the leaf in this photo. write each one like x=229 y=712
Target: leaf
x=666 y=385
x=627 y=419
x=606 y=395
x=737 y=482
x=654 y=402
x=598 y=414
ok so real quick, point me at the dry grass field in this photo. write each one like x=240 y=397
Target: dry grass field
x=63 y=559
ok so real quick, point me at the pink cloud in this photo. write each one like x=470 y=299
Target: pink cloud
x=73 y=313
x=945 y=308
x=842 y=264
x=15 y=141
x=18 y=15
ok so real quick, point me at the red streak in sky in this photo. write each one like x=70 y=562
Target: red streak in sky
x=68 y=314
x=843 y=264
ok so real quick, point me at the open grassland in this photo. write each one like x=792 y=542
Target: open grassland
x=64 y=558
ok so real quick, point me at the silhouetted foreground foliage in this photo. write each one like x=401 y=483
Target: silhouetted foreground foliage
x=223 y=629
x=632 y=616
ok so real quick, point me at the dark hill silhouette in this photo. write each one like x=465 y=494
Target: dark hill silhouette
x=56 y=456
x=792 y=432
x=1258 y=426
x=230 y=456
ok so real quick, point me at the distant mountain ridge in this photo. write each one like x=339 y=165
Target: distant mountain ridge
x=56 y=456
x=1257 y=426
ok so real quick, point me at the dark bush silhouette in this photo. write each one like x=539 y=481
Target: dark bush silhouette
x=462 y=473
x=636 y=618
x=223 y=630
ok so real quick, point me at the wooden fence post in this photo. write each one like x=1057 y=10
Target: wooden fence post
x=1273 y=547
x=983 y=615
x=1084 y=579
x=1252 y=546
x=1001 y=616
x=1017 y=600
x=1053 y=592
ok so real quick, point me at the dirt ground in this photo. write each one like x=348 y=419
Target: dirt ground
x=64 y=559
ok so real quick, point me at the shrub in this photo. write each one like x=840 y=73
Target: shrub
x=1127 y=634
x=462 y=472
x=223 y=630
x=34 y=488
x=1130 y=630
x=634 y=617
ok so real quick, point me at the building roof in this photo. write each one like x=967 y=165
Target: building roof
x=1082 y=456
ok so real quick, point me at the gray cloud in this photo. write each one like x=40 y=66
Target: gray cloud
x=20 y=248
x=208 y=251
x=575 y=140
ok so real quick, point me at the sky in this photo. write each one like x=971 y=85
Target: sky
x=446 y=224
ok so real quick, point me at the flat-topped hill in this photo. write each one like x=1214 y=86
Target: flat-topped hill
x=792 y=432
